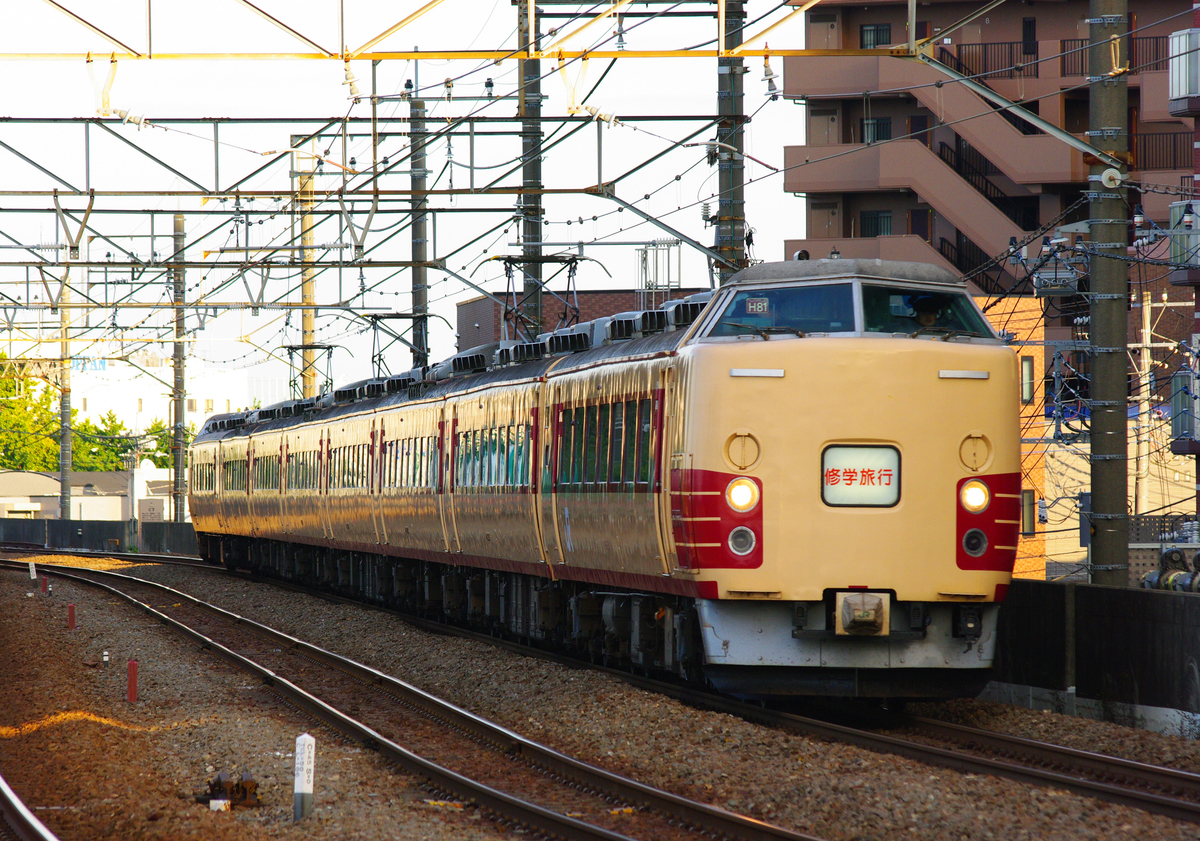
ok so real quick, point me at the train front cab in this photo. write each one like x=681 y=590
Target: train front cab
x=851 y=510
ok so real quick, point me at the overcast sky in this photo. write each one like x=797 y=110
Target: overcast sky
x=305 y=88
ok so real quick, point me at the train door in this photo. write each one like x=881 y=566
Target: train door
x=665 y=416
x=325 y=452
x=378 y=450
x=252 y=448
x=448 y=452
x=284 y=479
x=547 y=478
x=219 y=487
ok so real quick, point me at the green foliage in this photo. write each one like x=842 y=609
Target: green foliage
x=102 y=447
x=28 y=425
x=163 y=433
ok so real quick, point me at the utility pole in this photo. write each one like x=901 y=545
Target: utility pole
x=179 y=393
x=731 y=203
x=64 y=400
x=1108 y=225
x=529 y=205
x=420 y=240
x=1141 y=473
x=308 y=364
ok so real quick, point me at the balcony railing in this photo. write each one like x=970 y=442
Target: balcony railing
x=1145 y=53
x=966 y=256
x=952 y=61
x=1022 y=216
x=1171 y=150
x=999 y=60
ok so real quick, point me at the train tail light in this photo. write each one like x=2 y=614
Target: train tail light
x=975 y=496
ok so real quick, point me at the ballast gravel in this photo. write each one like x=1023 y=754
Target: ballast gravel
x=115 y=770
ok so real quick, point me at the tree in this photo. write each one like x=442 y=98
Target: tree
x=163 y=435
x=28 y=425
x=102 y=447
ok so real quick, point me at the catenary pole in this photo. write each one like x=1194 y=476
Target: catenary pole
x=731 y=203
x=529 y=205
x=1109 y=226
x=179 y=392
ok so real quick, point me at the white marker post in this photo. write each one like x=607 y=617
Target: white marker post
x=32 y=571
x=306 y=756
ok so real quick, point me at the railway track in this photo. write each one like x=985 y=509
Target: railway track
x=511 y=778
x=17 y=820
x=1164 y=791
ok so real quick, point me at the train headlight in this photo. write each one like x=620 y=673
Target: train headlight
x=975 y=496
x=742 y=541
x=742 y=494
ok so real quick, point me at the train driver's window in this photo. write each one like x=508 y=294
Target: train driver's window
x=890 y=309
x=797 y=310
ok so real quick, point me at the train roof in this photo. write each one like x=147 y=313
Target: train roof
x=793 y=270
x=628 y=335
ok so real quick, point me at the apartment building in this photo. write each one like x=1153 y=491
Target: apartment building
x=959 y=178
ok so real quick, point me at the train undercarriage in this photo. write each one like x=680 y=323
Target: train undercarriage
x=646 y=632
x=649 y=633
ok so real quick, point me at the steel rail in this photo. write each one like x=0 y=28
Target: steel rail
x=489 y=799
x=710 y=818
x=1098 y=764
x=1174 y=808
x=19 y=819
x=1157 y=804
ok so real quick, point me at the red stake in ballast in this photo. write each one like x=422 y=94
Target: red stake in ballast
x=132 y=693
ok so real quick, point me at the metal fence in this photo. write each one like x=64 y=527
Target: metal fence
x=101 y=535
x=1145 y=53
x=1000 y=60
x=1168 y=150
x=168 y=538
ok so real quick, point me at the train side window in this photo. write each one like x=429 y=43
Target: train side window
x=520 y=470
x=494 y=458
x=631 y=436
x=602 y=427
x=618 y=441
x=460 y=459
x=578 y=443
x=645 y=457
x=488 y=436
x=564 y=448
x=503 y=463
x=478 y=452
x=590 y=447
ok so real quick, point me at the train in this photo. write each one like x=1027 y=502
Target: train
x=805 y=482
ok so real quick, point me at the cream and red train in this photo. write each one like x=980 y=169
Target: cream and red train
x=809 y=484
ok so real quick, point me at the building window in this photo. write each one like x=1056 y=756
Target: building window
x=226 y=405
x=1026 y=379
x=85 y=404
x=208 y=406
x=874 y=35
x=876 y=129
x=876 y=223
x=1029 y=36
x=191 y=404
x=1028 y=511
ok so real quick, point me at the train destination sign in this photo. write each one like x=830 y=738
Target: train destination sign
x=860 y=476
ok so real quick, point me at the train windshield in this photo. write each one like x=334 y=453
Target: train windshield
x=796 y=310
x=891 y=309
